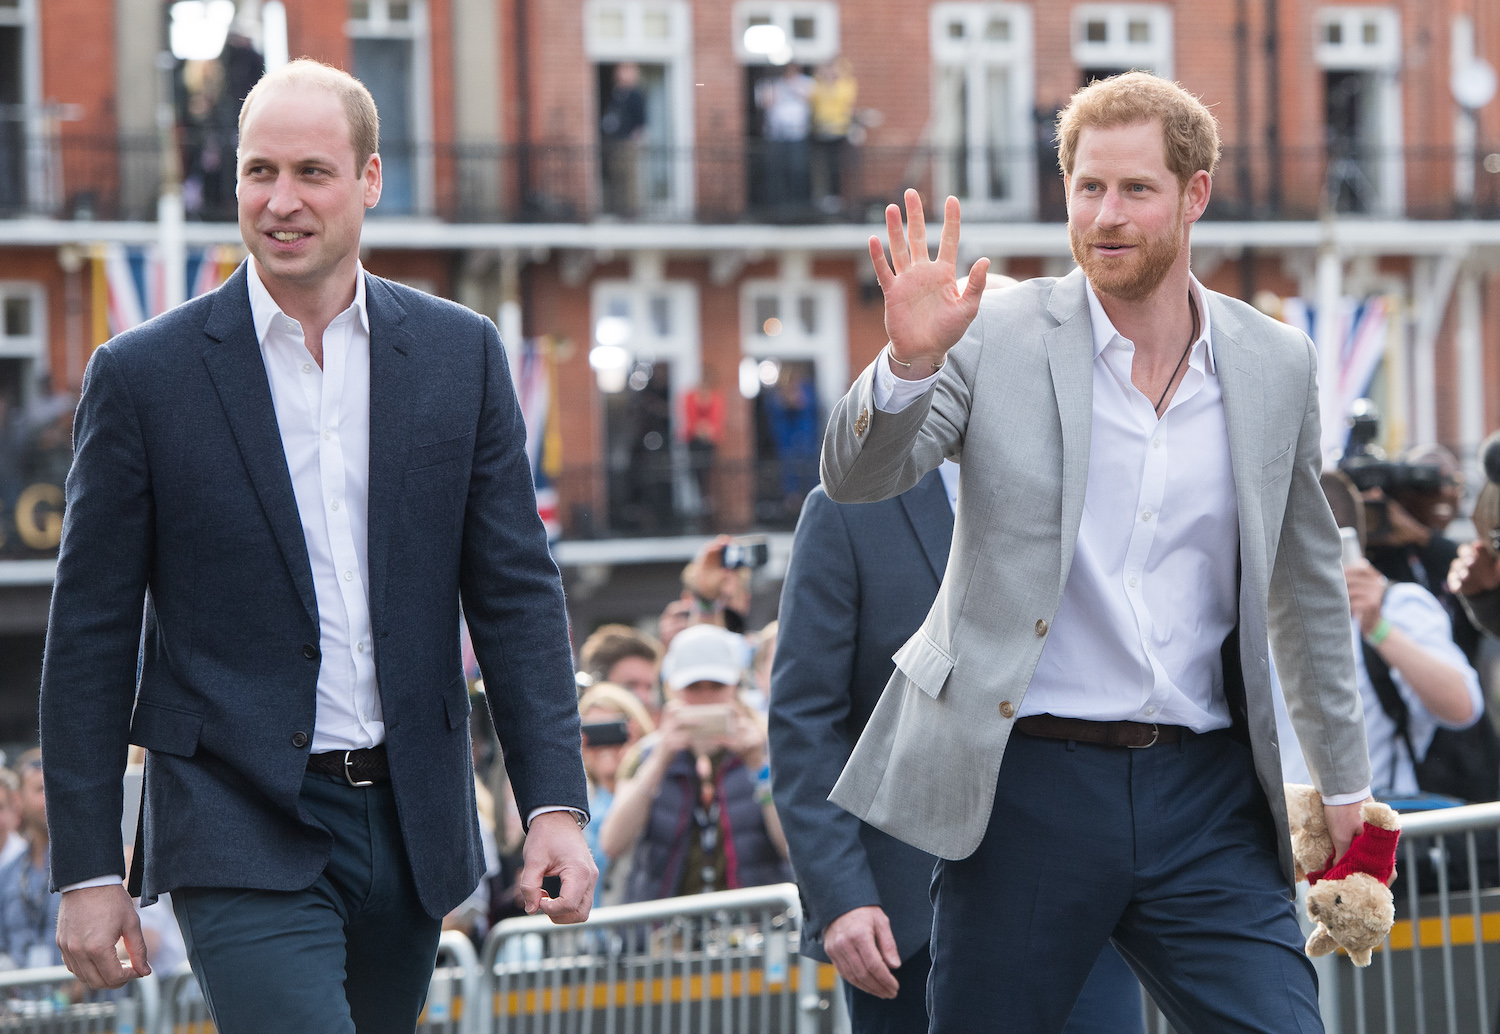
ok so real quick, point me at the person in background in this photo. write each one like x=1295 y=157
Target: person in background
x=792 y=409
x=14 y=844
x=675 y=616
x=621 y=127
x=764 y=656
x=786 y=112
x=28 y=909
x=626 y=657
x=718 y=595
x=601 y=762
x=696 y=813
x=834 y=93
x=703 y=429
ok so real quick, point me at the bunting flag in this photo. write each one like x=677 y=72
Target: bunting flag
x=137 y=285
x=531 y=370
x=1364 y=326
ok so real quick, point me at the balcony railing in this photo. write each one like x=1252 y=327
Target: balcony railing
x=75 y=177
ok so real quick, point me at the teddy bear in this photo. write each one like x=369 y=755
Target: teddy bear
x=1350 y=902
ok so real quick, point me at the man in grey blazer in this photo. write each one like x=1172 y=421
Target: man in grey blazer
x=1082 y=728
x=860 y=581
x=295 y=480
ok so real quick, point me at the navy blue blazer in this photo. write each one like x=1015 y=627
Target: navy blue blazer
x=180 y=499
x=861 y=580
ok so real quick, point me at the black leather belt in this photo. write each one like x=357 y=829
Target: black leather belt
x=1109 y=734
x=356 y=767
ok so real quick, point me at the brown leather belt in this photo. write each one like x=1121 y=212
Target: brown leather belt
x=356 y=767
x=1110 y=734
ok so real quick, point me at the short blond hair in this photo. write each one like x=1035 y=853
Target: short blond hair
x=1189 y=129
x=607 y=696
x=359 y=106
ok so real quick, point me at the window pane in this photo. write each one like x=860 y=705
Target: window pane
x=18 y=317
x=767 y=314
x=1000 y=142
x=619 y=307
x=950 y=122
x=757 y=19
x=955 y=30
x=656 y=25
x=359 y=10
x=1096 y=32
x=1139 y=32
x=10 y=4
x=807 y=313
x=997 y=29
x=1333 y=33
x=1372 y=33
x=610 y=23
x=400 y=10
x=661 y=315
x=804 y=27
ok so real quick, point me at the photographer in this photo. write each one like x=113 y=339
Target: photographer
x=1474 y=577
x=697 y=811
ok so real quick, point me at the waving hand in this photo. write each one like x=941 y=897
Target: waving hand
x=925 y=312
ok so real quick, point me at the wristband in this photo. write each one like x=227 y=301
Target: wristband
x=1380 y=633
x=898 y=362
x=763 y=785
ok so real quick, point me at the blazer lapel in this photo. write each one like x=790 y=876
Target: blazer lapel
x=931 y=518
x=391 y=394
x=239 y=374
x=1239 y=371
x=1070 y=356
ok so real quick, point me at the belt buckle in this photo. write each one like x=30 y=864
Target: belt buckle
x=1155 y=735
x=348 y=757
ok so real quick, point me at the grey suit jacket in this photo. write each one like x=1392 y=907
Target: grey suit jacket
x=1014 y=403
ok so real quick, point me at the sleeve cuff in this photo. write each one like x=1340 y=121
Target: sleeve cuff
x=581 y=816
x=892 y=394
x=1333 y=800
x=97 y=881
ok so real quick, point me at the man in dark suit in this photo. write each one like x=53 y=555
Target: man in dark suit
x=860 y=581
x=297 y=478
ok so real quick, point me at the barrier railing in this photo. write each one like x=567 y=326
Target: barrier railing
x=50 y=1000
x=723 y=963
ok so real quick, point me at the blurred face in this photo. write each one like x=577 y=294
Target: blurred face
x=1127 y=212
x=33 y=803
x=301 y=199
x=673 y=620
x=705 y=692
x=637 y=675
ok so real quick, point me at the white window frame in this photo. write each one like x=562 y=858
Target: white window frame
x=824 y=46
x=976 y=55
x=682 y=347
x=1117 y=51
x=32 y=346
x=1383 y=60
x=828 y=349
x=416 y=28
x=675 y=52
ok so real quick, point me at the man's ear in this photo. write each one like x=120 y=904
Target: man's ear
x=372 y=180
x=1195 y=196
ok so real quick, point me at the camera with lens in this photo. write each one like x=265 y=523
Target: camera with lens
x=1366 y=464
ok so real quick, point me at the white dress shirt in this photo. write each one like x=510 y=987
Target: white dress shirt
x=324 y=417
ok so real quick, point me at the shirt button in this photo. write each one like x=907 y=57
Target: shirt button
x=1134 y=582
x=1146 y=516
x=348 y=576
x=1150 y=710
x=299 y=740
x=335 y=504
x=328 y=436
x=359 y=647
x=1041 y=627
x=307 y=367
x=1007 y=710
x=310 y=651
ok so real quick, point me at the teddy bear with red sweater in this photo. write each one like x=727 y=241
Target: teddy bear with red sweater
x=1349 y=900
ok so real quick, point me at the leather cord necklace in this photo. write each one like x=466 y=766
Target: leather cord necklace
x=1192 y=308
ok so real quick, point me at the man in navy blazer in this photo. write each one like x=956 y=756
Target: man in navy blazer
x=861 y=580
x=295 y=480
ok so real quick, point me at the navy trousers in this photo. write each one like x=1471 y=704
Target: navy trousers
x=1169 y=852
x=353 y=952
x=1110 y=1002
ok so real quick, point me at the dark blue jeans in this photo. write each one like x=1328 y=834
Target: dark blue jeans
x=353 y=951
x=1169 y=852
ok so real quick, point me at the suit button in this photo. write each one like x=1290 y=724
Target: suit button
x=1041 y=627
x=299 y=740
x=310 y=651
x=1007 y=710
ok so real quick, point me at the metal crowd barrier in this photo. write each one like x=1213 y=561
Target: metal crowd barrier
x=722 y=963
x=51 y=1001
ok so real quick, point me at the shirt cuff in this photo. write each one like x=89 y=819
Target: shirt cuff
x=97 y=881
x=583 y=818
x=892 y=393
x=1336 y=799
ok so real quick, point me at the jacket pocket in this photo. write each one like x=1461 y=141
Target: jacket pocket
x=1279 y=464
x=456 y=702
x=422 y=456
x=164 y=729
x=924 y=663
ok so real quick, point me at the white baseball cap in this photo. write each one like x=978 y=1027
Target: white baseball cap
x=703 y=653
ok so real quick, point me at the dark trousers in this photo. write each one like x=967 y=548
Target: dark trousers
x=354 y=951
x=1110 y=1002
x=1169 y=852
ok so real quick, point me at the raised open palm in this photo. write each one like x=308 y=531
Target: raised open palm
x=925 y=312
